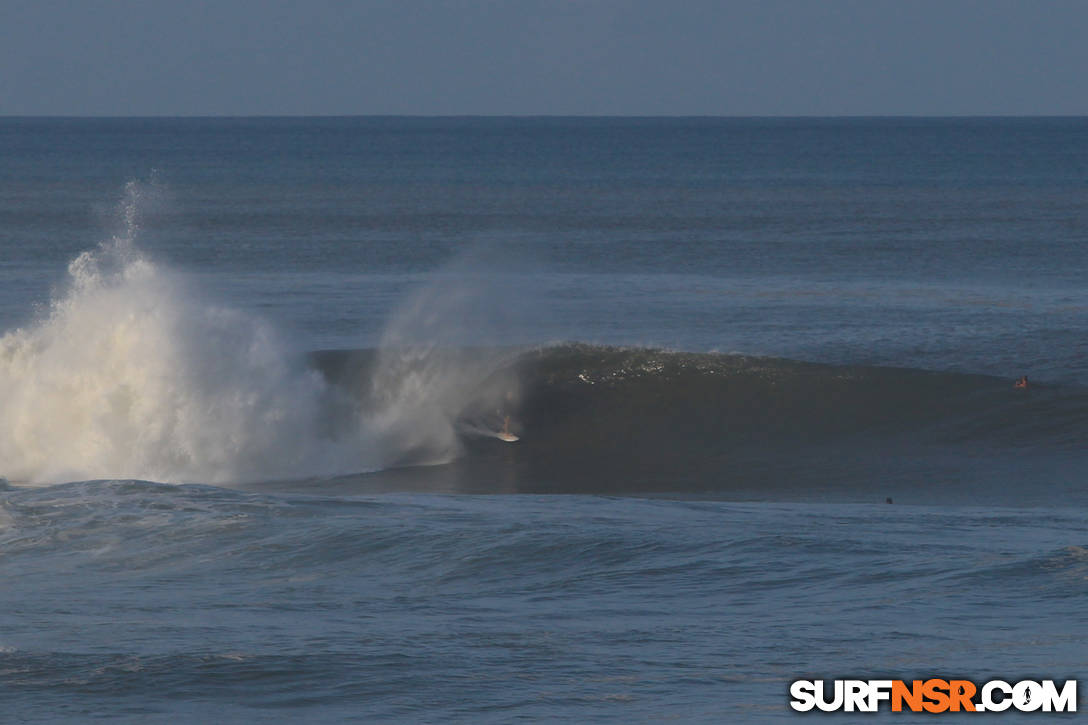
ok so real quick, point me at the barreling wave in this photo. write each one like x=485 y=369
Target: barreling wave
x=594 y=418
x=134 y=373
x=617 y=394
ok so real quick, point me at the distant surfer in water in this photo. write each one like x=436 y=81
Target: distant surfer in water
x=506 y=425
x=1022 y=382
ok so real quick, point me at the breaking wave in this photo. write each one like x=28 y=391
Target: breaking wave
x=134 y=372
x=595 y=419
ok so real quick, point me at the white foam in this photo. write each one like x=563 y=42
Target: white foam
x=134 y=374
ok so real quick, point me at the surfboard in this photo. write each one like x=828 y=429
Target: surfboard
x=508 y=437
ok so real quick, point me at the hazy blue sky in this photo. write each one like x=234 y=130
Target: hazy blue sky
x=762 y=57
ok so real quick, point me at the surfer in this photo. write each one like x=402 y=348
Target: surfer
x=1022 y=382
x=505 y=434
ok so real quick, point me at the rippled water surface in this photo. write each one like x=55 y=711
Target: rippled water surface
x=252 y=372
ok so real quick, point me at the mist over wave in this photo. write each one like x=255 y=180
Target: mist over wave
x=435 y=376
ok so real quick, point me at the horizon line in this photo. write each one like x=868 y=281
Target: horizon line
x=739 y=116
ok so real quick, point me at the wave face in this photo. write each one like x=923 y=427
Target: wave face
x=606 y=419
x=725 y=400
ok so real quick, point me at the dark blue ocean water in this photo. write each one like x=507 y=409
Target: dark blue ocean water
x=230 y=344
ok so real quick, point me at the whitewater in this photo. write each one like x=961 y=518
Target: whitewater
x=135 y=372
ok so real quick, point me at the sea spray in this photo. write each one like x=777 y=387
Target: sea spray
x=132 y=373
x=135 y=372
x=439 y=373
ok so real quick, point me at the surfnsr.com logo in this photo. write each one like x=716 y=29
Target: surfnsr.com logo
x=933 y=695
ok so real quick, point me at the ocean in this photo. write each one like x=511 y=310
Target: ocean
x=253 y=372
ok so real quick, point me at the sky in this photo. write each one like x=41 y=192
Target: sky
x=543 y=57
